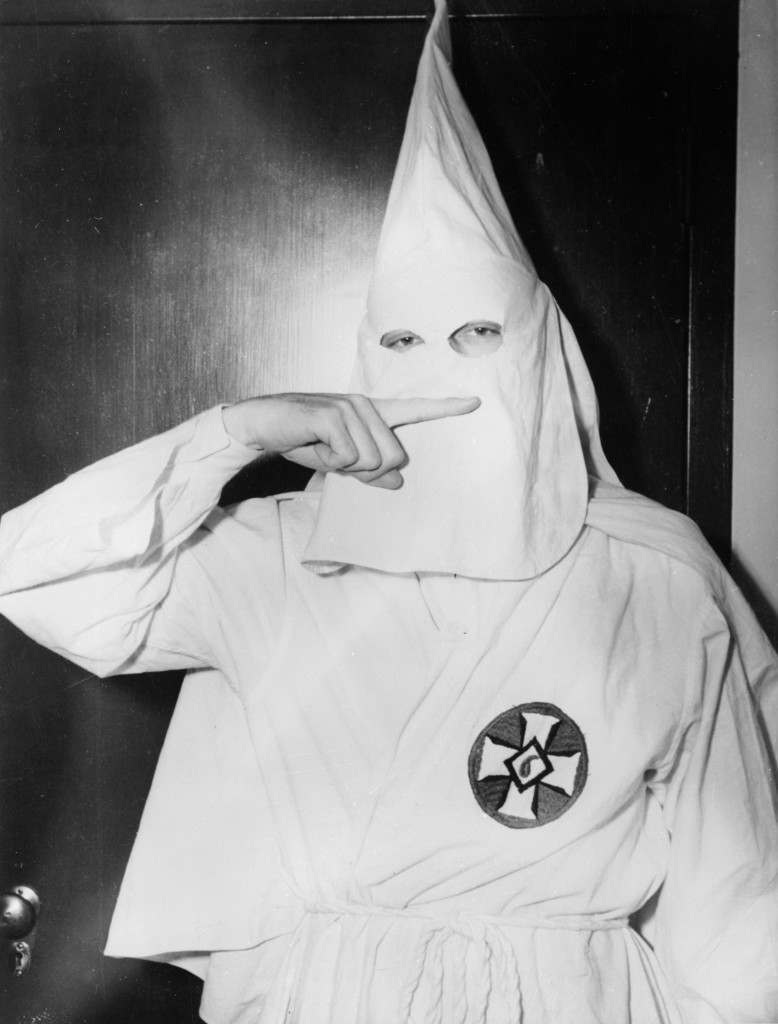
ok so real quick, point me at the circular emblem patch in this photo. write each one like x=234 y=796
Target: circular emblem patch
x=529 y=765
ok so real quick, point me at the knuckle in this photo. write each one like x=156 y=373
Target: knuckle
x=396 y=454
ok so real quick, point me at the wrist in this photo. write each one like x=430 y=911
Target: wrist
x=236 y=425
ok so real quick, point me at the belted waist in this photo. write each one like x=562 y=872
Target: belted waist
x=464 y=921
x=489 y=938
x=461 y=965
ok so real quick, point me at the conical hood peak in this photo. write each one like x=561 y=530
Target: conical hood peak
x=445 y=202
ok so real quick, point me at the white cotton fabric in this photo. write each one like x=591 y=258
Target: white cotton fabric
x=316 y=767
x=500 y=493
x=314 y=845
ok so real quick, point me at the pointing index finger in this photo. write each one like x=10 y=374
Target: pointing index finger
x=397 y=412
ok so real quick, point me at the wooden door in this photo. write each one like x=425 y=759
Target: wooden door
x=191 y=196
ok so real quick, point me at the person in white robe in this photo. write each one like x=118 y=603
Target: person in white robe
x=460 y=712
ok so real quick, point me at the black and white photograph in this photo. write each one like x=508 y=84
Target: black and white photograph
x=388 y=489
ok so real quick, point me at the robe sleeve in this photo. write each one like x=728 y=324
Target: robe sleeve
x=104 y=567
x=716 y=926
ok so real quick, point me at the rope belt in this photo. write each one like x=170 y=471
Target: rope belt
x=498 y=969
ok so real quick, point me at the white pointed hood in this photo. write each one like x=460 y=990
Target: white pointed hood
x=500 y=493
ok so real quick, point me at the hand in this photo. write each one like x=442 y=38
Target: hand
x=338 y=433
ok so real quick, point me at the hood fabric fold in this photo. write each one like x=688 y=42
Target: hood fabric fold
x=502 y=492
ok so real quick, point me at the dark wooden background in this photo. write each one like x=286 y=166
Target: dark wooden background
x=191 y=192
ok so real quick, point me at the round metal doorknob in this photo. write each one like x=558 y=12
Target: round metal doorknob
x=18 y=912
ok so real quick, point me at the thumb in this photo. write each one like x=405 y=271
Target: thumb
x=396 y=412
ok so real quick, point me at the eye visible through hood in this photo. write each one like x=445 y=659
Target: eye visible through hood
x=474 y=339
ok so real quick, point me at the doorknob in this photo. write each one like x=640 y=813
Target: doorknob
x=19 y=909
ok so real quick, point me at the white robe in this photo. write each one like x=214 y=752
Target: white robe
x=317 y=831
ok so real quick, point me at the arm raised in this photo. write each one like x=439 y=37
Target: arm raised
x=85 y=566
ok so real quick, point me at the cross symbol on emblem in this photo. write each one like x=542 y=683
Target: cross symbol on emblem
x=528 y=765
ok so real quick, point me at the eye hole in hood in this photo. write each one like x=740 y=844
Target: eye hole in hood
x=476 y=338
x=401 y=340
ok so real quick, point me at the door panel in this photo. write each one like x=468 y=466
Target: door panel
x=190 y=210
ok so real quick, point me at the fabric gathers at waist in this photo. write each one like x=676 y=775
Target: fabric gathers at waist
x=458 y=965
x=421 y=991
x=466 y=923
